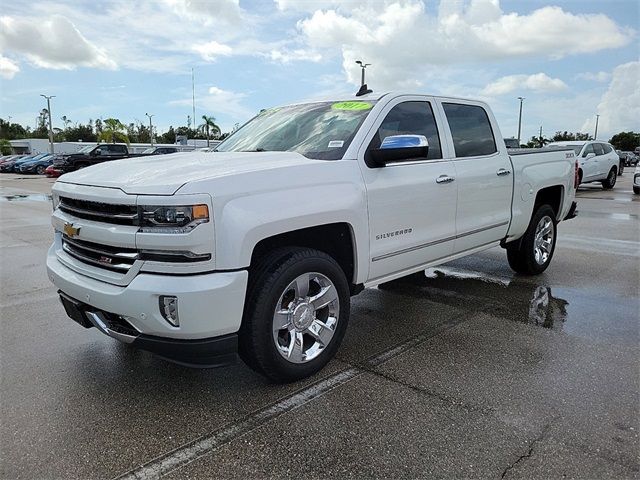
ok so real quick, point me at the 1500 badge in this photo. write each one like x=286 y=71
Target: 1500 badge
x=395 y=233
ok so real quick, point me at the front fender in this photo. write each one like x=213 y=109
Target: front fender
x=244 y=221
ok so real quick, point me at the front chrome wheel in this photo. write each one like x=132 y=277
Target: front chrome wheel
x=543 y=242
x=306 y=317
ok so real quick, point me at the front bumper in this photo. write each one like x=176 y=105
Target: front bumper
x=201 y=353
x=209 y=305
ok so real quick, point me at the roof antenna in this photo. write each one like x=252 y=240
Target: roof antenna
x=363 y=86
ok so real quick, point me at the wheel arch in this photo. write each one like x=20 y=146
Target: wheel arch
x=335 y=239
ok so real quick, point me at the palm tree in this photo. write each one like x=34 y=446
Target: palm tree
x=209 y=125
x=66 y=121
x=113 y=130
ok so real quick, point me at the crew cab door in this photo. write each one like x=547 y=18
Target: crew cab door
x=589 y=162
x=412 y=203
x=484 y=176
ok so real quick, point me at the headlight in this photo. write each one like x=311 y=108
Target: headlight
x=172 y=219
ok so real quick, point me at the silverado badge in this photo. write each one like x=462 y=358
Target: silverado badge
x=71 y=231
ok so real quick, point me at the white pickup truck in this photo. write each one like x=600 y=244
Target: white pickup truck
x=255 y=249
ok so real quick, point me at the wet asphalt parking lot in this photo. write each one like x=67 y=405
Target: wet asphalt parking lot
x=472 y=372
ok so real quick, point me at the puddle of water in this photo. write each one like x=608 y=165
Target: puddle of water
x=32 y=197
x=573 y=311
x=611 y=216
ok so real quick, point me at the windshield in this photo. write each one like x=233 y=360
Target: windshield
x=316 y=130
x=86 y=149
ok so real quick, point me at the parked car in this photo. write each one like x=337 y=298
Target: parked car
x=257 y=249
x=598 y=161
x=92 y=155
x=52 y=172
x=9 y=165
x=37 y=166
x=160 y=150
x=511 y=142
x=19 y=163
x=636 y=181
x=9 y=158
x=631 y=159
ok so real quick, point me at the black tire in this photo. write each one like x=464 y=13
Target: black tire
x=81 y=165
x=268 y=280
x=636 y=190
x=521 y=256
x=621 y=168
x=579 y=177
x=610 y=182
x=40 y=169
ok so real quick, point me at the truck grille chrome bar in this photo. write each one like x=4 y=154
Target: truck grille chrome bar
x=98 y=211
x=111 y=258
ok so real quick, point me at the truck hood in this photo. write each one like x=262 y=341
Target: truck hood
x=165 y=174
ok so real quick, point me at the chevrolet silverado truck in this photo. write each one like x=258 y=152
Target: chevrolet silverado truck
x=255 y=249
x=92 y=155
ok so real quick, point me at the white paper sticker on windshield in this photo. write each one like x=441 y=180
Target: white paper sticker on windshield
x=335 y=144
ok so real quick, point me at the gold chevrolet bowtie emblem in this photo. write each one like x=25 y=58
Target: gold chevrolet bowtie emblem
x=70 y=230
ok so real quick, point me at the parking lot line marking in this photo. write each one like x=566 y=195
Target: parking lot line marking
x=189 y=452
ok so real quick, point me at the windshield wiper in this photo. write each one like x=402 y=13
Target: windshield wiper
x=259 y=149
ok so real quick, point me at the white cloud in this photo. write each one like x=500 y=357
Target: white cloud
x=296 y=55
x=207 y=11
x=539 y=82
x=51 y=43
x=403 y=39
x=8 y=68
x=619 y=106
x=211 y=50
x=594 y=77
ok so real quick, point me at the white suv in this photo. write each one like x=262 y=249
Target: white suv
x=599 y=161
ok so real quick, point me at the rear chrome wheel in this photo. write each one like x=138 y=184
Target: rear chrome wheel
x=544 y=237
x=610 y=182
x=306 y=317
x=532 y=254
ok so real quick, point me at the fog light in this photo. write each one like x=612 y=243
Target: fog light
x=169 y=309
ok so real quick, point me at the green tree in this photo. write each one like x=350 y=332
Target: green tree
x=5 y=146
x=569 y=136
x=12 y=131
x=209 y=126
x=168 y=137
x=625 y=141
x=80 y=133
x=113 y=130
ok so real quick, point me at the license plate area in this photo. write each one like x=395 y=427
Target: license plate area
x=75 y=311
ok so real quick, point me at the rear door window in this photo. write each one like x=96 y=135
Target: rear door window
x=471 y=130
x=607 y=148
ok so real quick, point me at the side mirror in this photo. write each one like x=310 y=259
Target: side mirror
x=399 y=147
x=589 y=155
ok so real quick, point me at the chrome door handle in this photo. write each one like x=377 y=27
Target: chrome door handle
x=444 y=179
x=503 y=171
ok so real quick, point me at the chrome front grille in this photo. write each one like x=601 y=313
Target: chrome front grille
x=112 y=258
x=100 y=212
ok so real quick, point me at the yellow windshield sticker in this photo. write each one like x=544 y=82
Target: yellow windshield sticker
x=351 y=106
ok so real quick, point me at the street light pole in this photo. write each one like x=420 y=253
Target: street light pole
x=150 y=128
x=50 y=127
x=520 y=119
x=363 y=66
x=595 y=135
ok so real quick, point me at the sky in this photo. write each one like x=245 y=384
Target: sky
x=569 y=59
